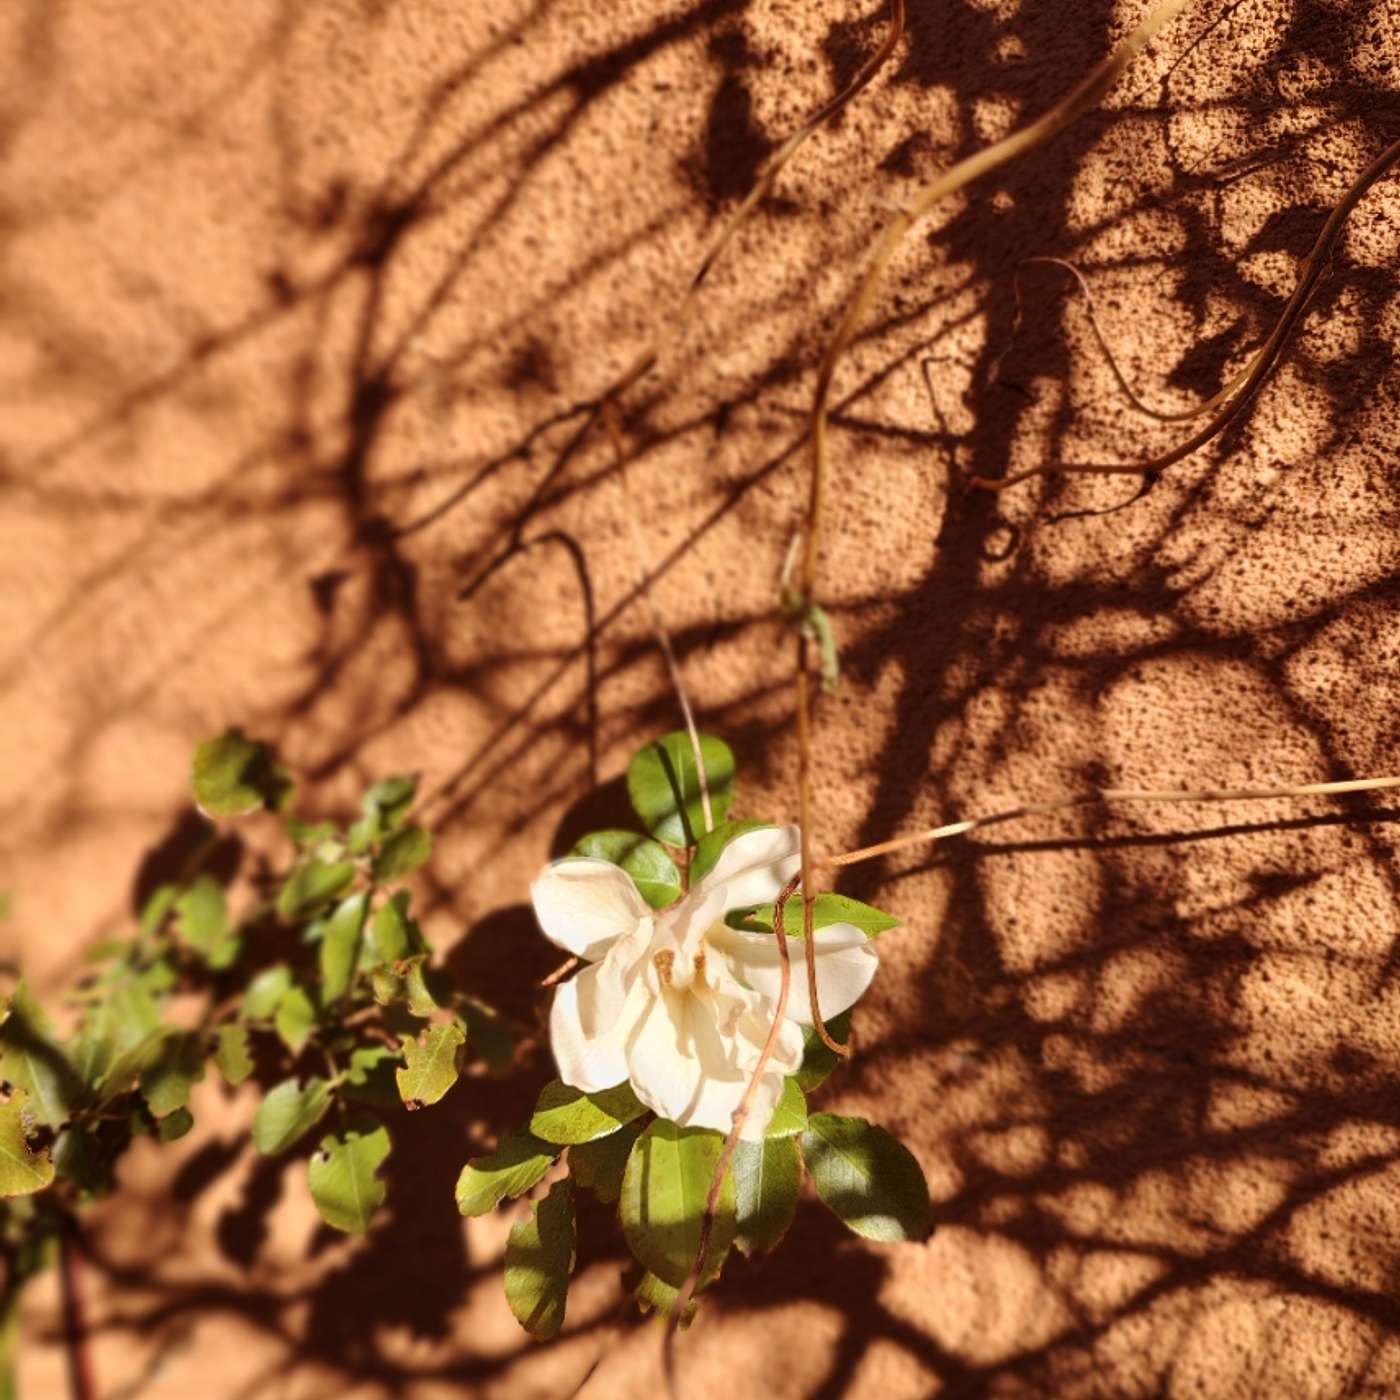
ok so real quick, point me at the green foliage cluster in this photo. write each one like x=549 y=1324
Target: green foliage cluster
x=654 y=1174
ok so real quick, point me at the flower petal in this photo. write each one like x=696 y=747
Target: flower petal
x=755 y=866
x=583 y=905
x=846 y=963
x=664 y=1071
x=587 y=1060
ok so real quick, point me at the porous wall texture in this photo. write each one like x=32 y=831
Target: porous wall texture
x=303 y=304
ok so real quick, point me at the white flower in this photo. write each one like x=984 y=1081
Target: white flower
x=676 y=1001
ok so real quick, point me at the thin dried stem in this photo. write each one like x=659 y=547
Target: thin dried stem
x=1108 y=796
x=741 y=1114
x=560 y=972
x=1243 y=389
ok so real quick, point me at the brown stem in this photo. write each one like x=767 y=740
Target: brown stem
x=707 y=1221
x=75 y=1340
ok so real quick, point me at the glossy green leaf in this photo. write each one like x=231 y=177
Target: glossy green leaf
x=766 y=1179
x=233 y=775
x=202 y=915
x=311 y=885
x=340 y=946
x=22 y=1171
x=343 y=1175
x=539 y=1260
x=167 y=1081
x=33 y=1061
x=817 y=1061
x=598 y=1165
x=265 y=993
x=712 y=843
x=655 y=1293
x=402 y=854
x=653 y=871
x=790 y=1115
x=295 y=1019
x=663 y=1200
x=519 y=1163
x=826 y=909
x=430 y=1068
x=231 y=1056
x=290 y=1110
x=665 y=789
x=564 y=1115
x=867 y=1179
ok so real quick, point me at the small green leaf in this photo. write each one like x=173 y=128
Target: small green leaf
x=385 y=806
x=307 y=834
x=867 y=1179
x=393 y=934
x=265 y=993
x=653 y=872
x=519 y=1163
x=128 y=1066
x=288 y=1112
x=155 y=909
x=790 y=1116
x=175 y=1125
x=295 y=1019
x=343 y=1175
x=766 y=1179
x=233 y=775
x=32 y=1060
x=827 y=909
x=409 y=980
x=564 y=1115
x=663 y=1200
x=431 y=1068
x=22 y=1172
x=665 y=789
x=655 y=1293
x=402 y=854
x=539 y=1260
x=817 y=1061
x=202 y=915
x=598 y=1165
x=231 y=1056
x=312 y=884
x=712 y=844
x=166 y=1083
x=340 y=946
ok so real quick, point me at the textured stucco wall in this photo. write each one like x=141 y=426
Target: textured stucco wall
x=298 y=303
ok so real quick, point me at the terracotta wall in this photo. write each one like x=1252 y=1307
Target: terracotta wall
x=299 y=304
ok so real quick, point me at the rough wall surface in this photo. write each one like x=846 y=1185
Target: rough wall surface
x=301 y=306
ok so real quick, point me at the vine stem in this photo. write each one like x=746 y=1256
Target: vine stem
x=80 y=1379
x=1107 y=796
x=741 y=1114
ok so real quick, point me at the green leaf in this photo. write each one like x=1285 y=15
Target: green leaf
x=33 y=1061
x=826 y=909
x=539 y=1260
x=653 y=872
x=231 y=1056
x=790 y=1116
x=175 y=1125
x=311 y=884
x=598 y=1165
x=295 y=1019
x=166 y=1083
x=340 y=946
x=128 y=1066
x=431 y=1068
x=665 y=789
x=867 y=1179
x=307 y=834
x=408 y=980
x=393 y=934
x=22 y=1172
x=155 y=909
x=663 y=1199
x=385 y=806
x=288 y=1112
x=656 y=1293
x=766 y=1178
x=402 y=854
x=564 y=1115
x=233 y=775
x=519 y=1163
x=202 y=915
x=265 y=993
x=343 y=1175
x=370 y=1076
x=817 y=1061
x=712 y=844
